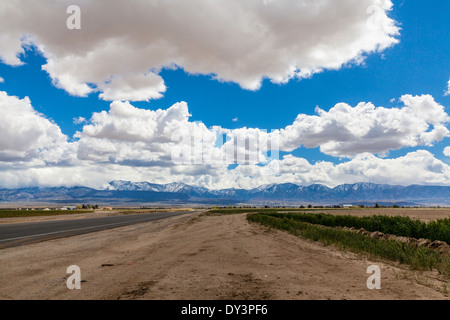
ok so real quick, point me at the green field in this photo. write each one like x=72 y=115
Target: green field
x=37 y=213
x=419 y=258
x=396 y=225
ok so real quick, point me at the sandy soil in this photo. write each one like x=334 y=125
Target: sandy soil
x=425 y=214
x=202 y=257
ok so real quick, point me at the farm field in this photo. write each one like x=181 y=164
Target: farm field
x=402 y=239
x=18 y=216
x=38 y=213
x=425 y=214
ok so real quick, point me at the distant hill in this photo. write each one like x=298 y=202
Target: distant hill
x=288 y=193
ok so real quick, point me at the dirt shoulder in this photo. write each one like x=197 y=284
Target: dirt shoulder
x=202 y=257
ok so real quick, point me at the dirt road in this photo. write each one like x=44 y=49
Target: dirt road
x=202 y=257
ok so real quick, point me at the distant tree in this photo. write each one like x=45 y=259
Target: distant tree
x=376 y=205
x=309 y=206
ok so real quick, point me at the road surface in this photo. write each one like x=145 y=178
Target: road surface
x=25 y=233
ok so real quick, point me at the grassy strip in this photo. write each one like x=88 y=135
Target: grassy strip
x=396 y=225
x=37 y=213
x=419 y=258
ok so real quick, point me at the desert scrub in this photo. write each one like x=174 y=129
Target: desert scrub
x=419 y=258
x=399 y=226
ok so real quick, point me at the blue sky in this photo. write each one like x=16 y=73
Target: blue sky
x=417 y=65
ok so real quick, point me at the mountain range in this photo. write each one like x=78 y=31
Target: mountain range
x=126 y=192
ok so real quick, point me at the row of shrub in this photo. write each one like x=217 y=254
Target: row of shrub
x=420 y=258
x=396 y=225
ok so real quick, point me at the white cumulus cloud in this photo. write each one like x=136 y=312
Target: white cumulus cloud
x=130 y=143
x=121 y=48
x=419 y=167
x=79 y=120
x=447 y=151
x=25 y=134
x=129 y=135
x=346 y=131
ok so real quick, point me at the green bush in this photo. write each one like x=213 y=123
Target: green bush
x=396 y=225
x=420 y=258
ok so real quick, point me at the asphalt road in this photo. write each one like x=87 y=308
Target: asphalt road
x=25 y=233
